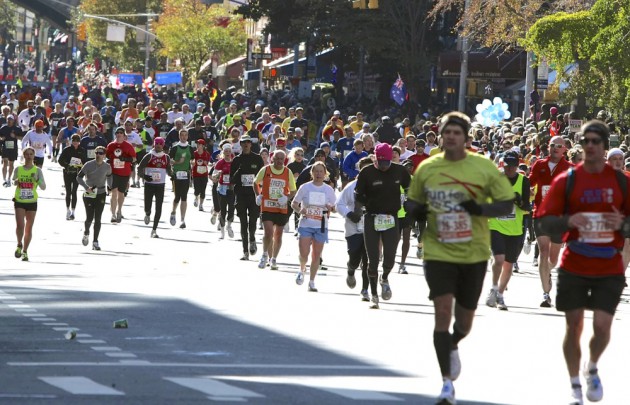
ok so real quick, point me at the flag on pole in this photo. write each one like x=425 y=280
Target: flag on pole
x=398 y=93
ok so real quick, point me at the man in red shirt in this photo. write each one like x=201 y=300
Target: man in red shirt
x=593 y=218
x=542 y=173
x=121 y=155
x=419 y=156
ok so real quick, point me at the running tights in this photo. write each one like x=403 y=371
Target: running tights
x=151 y=190
x=72 y=185
x=93 y=212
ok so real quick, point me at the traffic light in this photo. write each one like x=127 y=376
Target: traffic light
x=273 y=73
x=358 y=3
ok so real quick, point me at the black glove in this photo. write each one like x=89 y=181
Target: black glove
x=471 y=207
x=518 y=200
x=625 y=228
x=415 y=211
x=148 y=178
x=354 y=217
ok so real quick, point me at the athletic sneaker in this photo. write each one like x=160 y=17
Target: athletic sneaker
x=86 y=239
x=119 y=217
x=419 y=251
x=18 y=252
x=222 y=230
x=114 y=221
x=273 y=264
x=351 y=281
x=201 y=208
x=491 y=301
x=72 y=216
x=173 y=220
x=386 y=291
x=154 y=234
x=230 y=231
x=311 y=286
x=68 y=213
x=183 y=225
x=374 y=302
x=147 y=219
x=594 y=389
x=245 y=256
x=365 y=296
x=535 y=262
x=263 y=262
x=546 y=303
x=299 y=279
x=252 y=247
x=447 y=396
x=527 y=247
x=24 y=256
x=213 y=219
x=95 y=246
x=456 y=365
x=196 y=203
x=402 y=269
x=501 y=303
x=515 y=268
x=576 y=395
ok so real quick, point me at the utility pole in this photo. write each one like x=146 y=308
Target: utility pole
x=147 y=45
x=463 y=72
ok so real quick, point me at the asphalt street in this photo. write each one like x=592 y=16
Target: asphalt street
x=207 y=327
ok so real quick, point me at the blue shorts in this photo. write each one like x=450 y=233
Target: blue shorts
x=315 y=233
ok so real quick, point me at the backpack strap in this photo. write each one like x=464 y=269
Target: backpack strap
x=623 y=185
x=569 y=188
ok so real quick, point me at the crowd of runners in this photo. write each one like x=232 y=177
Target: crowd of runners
x=460 y=193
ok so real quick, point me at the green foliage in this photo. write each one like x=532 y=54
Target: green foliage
x=193 y=32
x=7 y=20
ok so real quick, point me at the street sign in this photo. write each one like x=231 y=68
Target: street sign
x=575 y=125
x=262 y=56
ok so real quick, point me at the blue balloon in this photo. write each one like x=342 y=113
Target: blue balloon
x=501 y=114
x=486 y=113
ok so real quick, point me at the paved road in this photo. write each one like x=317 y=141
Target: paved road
x=206 y=327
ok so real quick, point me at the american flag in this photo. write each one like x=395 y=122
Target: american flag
x=398 y=92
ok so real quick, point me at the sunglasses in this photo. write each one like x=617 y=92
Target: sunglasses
x=556 y=145
x=594 y=141
x=100 y=153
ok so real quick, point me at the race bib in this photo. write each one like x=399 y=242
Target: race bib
x=202 y=169
x=9 y=144
x=181 y=175
x=545 y=190
x=26 y=194
x=510 y=216
x=317 y=198
x=454 y=227
x=596 y=230
x=75 y=161
x=118 y=164
x=107 y=125
x=91 y=154
x=276 y=192
x=226 y=179
x=89 y=195
x=315 y=213
x=384 y=222
x=156 y=175
x=247 y=180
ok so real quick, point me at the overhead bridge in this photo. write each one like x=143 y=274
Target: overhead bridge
x=56 y=12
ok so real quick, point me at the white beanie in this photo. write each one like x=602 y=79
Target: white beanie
x=613 y=152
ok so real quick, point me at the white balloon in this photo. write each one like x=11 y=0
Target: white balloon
x=507 y=115
x=486 y=103
x=479 y=108
x=505 y=106
x=497 y=100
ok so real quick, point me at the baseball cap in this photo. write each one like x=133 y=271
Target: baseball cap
x=159 y=141
x=200 y=141
x=39 y=124
x=553 y=110
x=511 y=159
x=383 y=151
x=337 y=112
x=366 y=125
x=281 y=142
x=245 y=138
x=108 y=100
x=324 y=144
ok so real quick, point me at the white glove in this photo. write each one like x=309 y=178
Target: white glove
x=283 y=200
x=259 y=199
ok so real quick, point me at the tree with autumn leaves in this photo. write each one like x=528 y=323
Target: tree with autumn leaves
x=193 y=32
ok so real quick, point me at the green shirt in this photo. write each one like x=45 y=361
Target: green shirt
x=176 y=153
x=452 y=235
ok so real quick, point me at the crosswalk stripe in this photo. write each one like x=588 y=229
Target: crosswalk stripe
x=216 y=389
x=360 y=394
x=80 y=386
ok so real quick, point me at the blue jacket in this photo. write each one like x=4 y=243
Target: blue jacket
x=350 y=164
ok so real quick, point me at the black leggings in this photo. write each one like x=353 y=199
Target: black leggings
x=215 y=197
x=357 y=256
x=151 y=190
x=227 y=207
x=72 y=185
x=93 y=212
x=389 y=239
x=248 y=213
x=200 y=184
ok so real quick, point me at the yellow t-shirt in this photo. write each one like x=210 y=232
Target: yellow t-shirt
x=357 y=126
x=261 y=174
x=452 y=235
x=435 y=151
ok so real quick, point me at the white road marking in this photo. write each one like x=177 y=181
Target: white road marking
x=214 y=388
x=55 y=324
x=120 y=355
x=106 y=348
x=91 y=341
x=83 y=335
x=63 y=329
x=197 y=365
x=25 y=310
x=80 y=386
x=19 y=305
x=34 y=315
x=12 y=299
x=44 y=319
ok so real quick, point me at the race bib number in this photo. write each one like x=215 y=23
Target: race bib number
x=181 y=175
x=26 y=194
x=89 y=195
x=226 y=179
x=118 y=164
x=156 y=175
x=9 y=144
x=91 y=154
x=545 y=190
x=202 y=169
x=384 y=222
x=315 y=213
x=247 y=180
x=455 y=227
x=276 y=192
x=75 y=161
x=510 y=216
x=596 y=230
x=317 y=198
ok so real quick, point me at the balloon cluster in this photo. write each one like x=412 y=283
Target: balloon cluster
x=489 y=113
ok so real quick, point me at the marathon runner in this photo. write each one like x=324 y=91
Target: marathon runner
x=181 y=154
x=72 y=159
x=121 y=156
x=154 y=169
